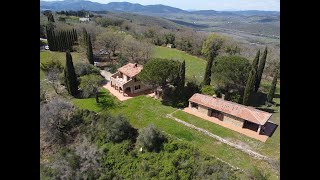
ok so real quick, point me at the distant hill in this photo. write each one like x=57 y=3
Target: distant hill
x=256 y=13
x=112 y=6
x=157 y=9
x=213 y=13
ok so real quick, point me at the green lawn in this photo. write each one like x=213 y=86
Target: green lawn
x=195 y=66
x=46 y=56
x=106 y=101
x=143 y=111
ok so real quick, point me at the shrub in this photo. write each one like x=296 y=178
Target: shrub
x=86 y=69
x=208 y=90
x=54 y=117
x=90 y=84
x=118 y=129
x=150 y=138
x=256 y=174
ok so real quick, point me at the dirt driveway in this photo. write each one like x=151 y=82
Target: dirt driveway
x=106 y=74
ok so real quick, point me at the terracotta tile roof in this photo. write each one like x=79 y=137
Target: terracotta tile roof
x=131 y=69
x=244 y=112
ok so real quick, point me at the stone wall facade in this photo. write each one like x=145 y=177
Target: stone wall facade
x=203 y=109
x=233 y=120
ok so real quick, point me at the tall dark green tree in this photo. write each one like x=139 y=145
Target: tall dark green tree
x=273 y=86
x=182 y=73
x=251 y=80
x=50 y=17
x=85 y=36
x=89 y=51
x=260 y=69
x=75 y=35
x=180 y=79
x=255 y=62
x=249 y=87
x=211 y=48
x=70 y=76
x=207 y=75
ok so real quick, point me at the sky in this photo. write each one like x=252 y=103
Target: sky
x=220 y=5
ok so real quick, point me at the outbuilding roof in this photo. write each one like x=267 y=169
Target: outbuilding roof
x=131 y=69
x=244 y=112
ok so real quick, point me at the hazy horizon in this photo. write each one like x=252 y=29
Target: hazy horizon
x=225 y=5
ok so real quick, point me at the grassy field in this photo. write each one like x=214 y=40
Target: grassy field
x=195 y=66
x=46 y=56
x=106 y=101
x=142 y=111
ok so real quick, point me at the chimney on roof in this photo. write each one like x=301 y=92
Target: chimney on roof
x=135 y=65
x=222 y=96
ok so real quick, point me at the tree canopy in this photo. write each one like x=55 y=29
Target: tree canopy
x=159 y=72
x=210 y=49
x=89 y=84
x=150 y=138
x=230 y=72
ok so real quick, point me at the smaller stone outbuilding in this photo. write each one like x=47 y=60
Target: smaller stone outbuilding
x=231 y=113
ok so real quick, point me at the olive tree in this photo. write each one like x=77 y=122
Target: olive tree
x=52 y=70
x=111 y=41
x=150 y=138
x=211 y=48
x=85 y=69
x=89 y=85
x=135 y=50
x=54 y=118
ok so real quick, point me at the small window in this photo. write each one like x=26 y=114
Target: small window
x=194 y=105
x=135 y=80
x=137 y=87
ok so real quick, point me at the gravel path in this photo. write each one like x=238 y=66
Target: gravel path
x=106 y=74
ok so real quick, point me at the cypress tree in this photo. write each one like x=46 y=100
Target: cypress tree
x=60 y=41
x=85 y=36
x=54 y=40
x=68 y=40
x=273 y=87
x=249 y=87
x=71 y=39
x=70 y=76
x=49 y=38
x=260 y=70
x=182 y=78
x=207 y=75
x=256 y=61
x=89 y=51
x=182 y=73
x=64 y=40
x=50 y=17
x=75 y=35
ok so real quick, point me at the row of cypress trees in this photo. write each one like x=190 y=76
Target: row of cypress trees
x=61 y=40
x=254 y=78
x=87 y=43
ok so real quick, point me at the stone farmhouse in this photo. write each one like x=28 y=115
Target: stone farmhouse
x=125 y=81
x=232 y=114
